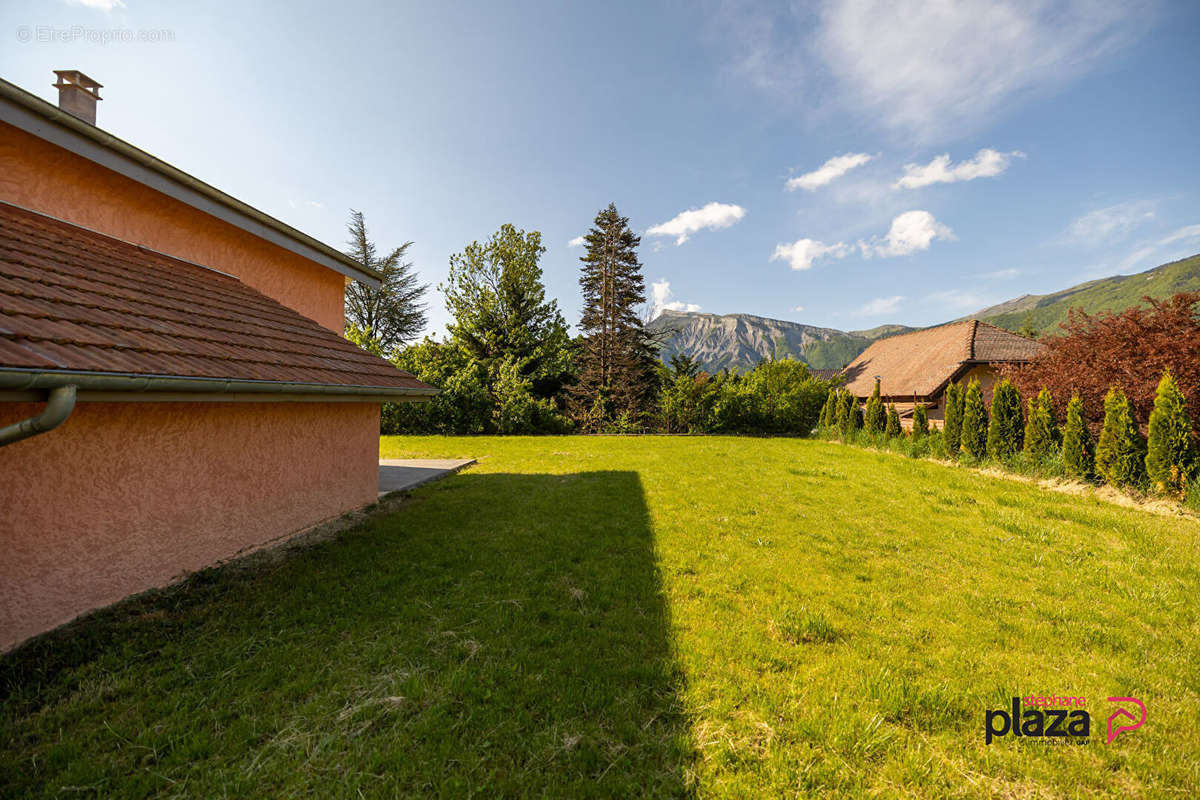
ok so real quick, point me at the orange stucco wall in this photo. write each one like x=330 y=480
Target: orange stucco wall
x=41 y=176
x=123 y=497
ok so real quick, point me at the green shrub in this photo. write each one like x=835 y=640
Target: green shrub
x=1078 y=452
x=874 y=419
x=1041 y=428
x=892 y=429
x=975 y=423
x=1121 y=452
x=952 y=427
x=920 y=424
x=1171 y=451
x=1006 y=429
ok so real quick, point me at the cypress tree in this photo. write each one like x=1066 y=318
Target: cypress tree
x=1079 y=457
x=975 y=422
x=1121 y=453
x=1171 y=452
x=616 y=362
x=1041 y=428
x=892 y=428
x=920 y=426
x=952 y=427
x=829 y=410
x=874 y=417
x=851 y=418
x=1005 y=431
x=841 y=409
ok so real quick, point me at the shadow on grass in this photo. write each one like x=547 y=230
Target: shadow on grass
x=502 y=634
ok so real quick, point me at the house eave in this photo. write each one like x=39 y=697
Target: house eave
x=27 y=384
x=35 y=116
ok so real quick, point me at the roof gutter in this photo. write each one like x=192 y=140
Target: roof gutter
x=24 y=380
x=58 y=407
x=31 y=114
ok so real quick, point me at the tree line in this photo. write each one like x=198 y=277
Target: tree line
x=510 y=366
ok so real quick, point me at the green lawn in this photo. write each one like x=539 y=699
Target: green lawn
x=656 y=616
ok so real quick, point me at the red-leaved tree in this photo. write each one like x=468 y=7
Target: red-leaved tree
x=1130 y=350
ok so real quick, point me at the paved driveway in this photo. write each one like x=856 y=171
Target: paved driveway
x=402 y=474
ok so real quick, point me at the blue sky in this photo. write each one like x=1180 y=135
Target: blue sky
x=842 y=164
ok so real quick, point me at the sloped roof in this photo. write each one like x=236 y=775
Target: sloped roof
x=35 y=116
x=77 y=301
x=920 y=363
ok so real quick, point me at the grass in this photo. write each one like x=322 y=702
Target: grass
x=657 y=616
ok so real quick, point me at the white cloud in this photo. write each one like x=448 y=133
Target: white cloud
x=713 y=216
x=928 y=69
x=103 y=5
x=927 y=66
x=660 y=300
x=798 y=308
x=801 y=253
x=1001 y=274
x=828 y=172
x=880 y=305
x=987 y=163
x=959 y=300
x=578 y=241
x=1110 y=223
x=1190 y=232
x=910 y=232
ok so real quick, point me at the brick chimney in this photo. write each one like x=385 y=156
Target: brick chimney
x=77 y=94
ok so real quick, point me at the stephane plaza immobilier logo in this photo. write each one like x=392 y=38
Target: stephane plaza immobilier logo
x=1053 y=718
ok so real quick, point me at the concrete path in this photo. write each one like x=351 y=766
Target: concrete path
x=402 y=474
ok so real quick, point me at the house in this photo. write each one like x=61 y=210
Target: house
x=174 y=384
x=916 y=367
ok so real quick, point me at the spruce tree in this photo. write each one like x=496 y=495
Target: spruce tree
x=952 y=426
x=1079 y=458
x=975 y=422
x=892 y=429
x=1171 y=451
x=1041 y=428
x=1121 y=453
x=1006 y=429
x=390 y=316
x=616 y=361
x=920 y=425
x=874 y=417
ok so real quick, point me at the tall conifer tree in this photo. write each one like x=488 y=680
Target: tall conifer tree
x=975 y=422
x=1121 y=451
x=874 y=418
x=1079 y=457
x=616 y=362
x=955 y=402
x=1006 y=431
x=1171 y=455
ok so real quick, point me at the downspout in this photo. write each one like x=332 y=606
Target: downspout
x=59 y=406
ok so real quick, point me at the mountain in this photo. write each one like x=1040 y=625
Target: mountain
x=1043 y=312
x=739 y=341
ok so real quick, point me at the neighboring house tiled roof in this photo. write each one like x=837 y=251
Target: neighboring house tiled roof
x=920 y=363
x=75 y=300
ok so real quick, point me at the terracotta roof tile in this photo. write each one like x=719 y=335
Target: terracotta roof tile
x=73 y=299
x=920 y=363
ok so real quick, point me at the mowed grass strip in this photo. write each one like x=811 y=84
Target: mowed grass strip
x=657 y=616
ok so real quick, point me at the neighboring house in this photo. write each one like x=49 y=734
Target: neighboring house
x=174 y=384
x=916 y=367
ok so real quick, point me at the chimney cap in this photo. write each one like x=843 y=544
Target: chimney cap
x=73 y=78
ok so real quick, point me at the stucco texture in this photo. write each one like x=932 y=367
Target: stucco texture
x=43 y=177
x=124 y=497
